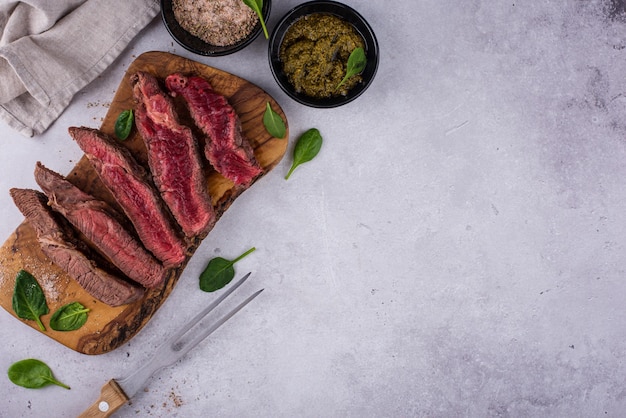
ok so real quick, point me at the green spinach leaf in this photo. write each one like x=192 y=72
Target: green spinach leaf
x=307 y=147
x=29 y=301
x=32 y=374
x=356 y=65
x=274 y=124
x=69 y=317
x=124 y=124
x=257 y=6
x=219 y=272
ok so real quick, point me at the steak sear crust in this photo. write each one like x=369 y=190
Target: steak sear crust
x=173 y=157
x=228 y=151
x=127 y=181
x=57 y=244
x=100 y=224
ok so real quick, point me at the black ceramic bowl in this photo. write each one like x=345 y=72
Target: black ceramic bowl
x=347 y=14
x=197 y=45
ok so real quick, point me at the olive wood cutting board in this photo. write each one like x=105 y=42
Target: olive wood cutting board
x=109 y=327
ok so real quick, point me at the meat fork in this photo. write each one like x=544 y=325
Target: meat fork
x=115 y=393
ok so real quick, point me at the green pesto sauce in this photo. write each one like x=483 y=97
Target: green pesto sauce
x=315 y=54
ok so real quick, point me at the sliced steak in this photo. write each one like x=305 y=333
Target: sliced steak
x=59 y=245
x=173 y=157
x=101 y=225
x=228 y=151
x=129 y=183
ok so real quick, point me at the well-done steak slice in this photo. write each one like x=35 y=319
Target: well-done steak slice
x=101 y=225
x=128 y=183
x=173 y=157
x=228 y=151
x=58 y=243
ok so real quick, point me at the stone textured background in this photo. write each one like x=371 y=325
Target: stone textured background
x=456 y=249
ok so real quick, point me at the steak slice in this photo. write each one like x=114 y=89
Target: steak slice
x=57 y=242
x=128 y=182
x=228 y=151
x=101 y=225
x=173 y=157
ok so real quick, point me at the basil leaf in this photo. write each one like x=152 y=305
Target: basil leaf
x=257 y=6
x=124 y=124
x=32 y=374
x=274 y=124
x=356 y=64
x=29 y=301
x=307 y=147
x=219 y=272
x=69 y=317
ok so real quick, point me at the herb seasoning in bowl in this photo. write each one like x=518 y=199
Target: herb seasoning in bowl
x=323 y=54
x=213 y=27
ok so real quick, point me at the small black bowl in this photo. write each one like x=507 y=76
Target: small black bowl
x=197 y=45
x=347 y=14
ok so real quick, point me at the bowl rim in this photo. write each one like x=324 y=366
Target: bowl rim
x=346 y=13
x=200 y=47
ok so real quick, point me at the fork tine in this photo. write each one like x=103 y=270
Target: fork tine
x=175 y=347
x=174 y=338
x=205 y=332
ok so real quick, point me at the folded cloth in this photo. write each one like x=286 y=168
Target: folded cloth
x=49 y=50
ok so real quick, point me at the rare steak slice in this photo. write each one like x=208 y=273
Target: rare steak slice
x=228 y=151
x=58 y=243
x=128 y=183
x=101 y=225
x=173 y=157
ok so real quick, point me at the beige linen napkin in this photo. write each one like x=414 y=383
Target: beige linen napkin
x=50 y=49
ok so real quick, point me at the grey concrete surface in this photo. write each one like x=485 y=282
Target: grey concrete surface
x=457 y=248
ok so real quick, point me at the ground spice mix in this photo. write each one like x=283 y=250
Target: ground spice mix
x=217 y=22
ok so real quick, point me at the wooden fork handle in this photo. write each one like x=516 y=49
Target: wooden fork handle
x=112 y=397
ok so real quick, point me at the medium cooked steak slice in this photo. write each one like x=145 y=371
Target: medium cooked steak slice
x=228 y=151
x=128 y=182
x=173 y=157
x=101 y=225
x=58 y=243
